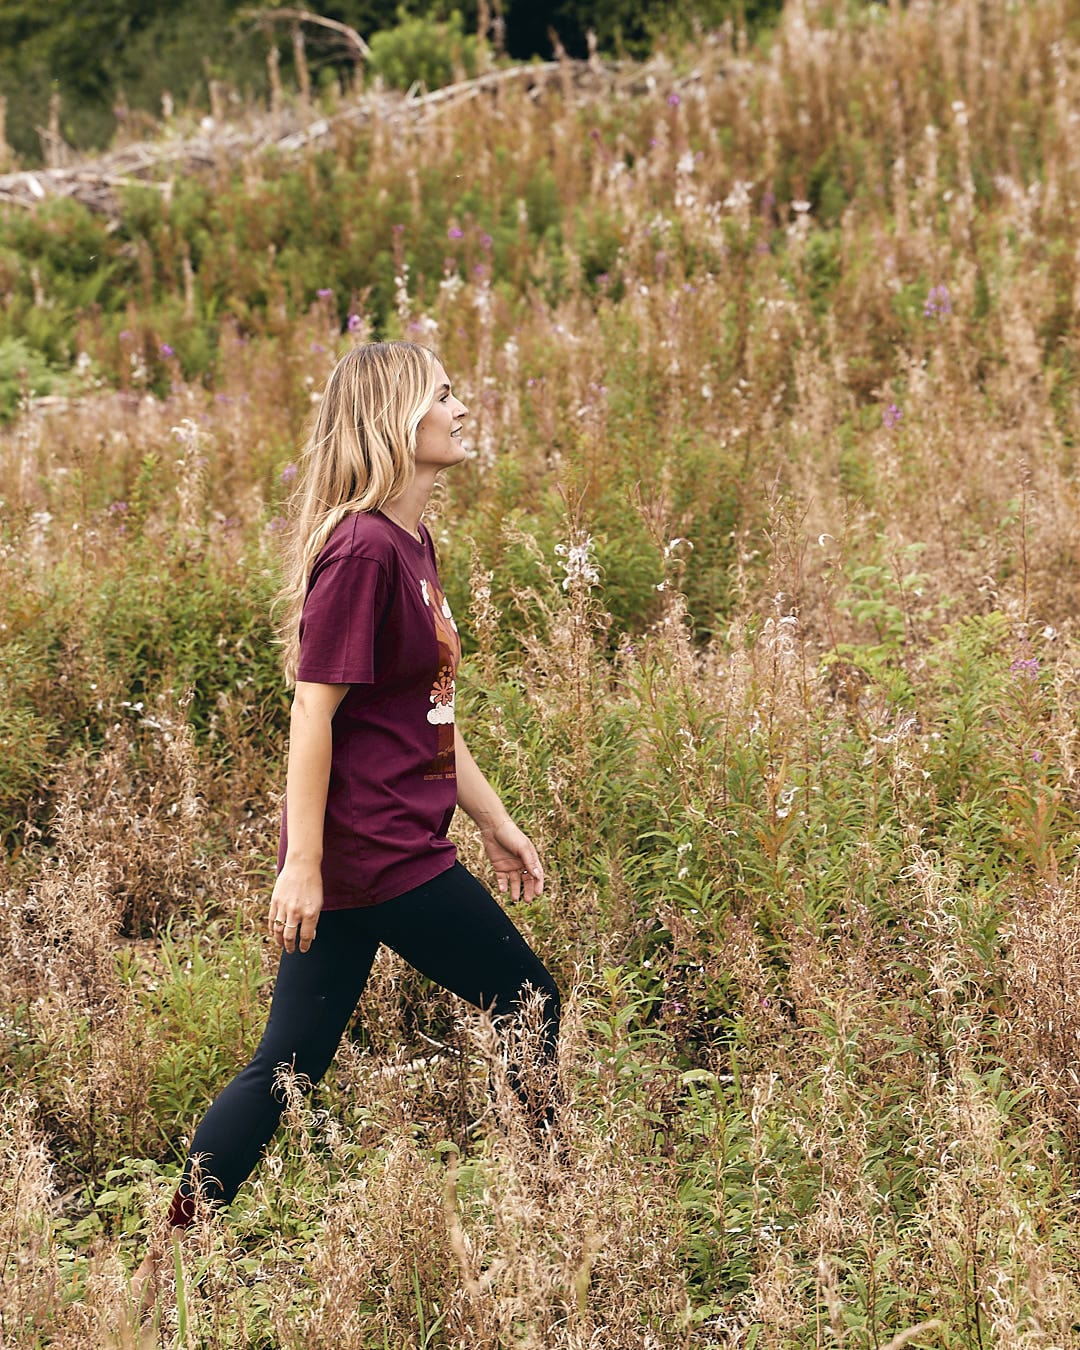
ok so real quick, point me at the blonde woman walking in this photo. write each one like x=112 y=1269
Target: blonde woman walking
x=376 y=762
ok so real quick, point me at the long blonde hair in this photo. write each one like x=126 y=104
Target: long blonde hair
x=359 y=457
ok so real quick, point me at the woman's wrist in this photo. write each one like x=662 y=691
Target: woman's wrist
x=491 y=825
x=302 y=858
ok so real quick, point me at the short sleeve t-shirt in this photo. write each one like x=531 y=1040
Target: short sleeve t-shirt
x=375 y=618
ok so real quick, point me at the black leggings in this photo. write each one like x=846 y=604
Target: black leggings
x=451 y=929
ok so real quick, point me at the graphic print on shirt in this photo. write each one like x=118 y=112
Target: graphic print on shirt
x=441 y=713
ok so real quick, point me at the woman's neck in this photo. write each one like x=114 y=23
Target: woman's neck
x=404 y=524
x=407 y=509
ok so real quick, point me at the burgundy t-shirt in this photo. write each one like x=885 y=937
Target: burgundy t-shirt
x=375 y=618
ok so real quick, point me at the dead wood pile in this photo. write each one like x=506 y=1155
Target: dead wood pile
x=157 y=163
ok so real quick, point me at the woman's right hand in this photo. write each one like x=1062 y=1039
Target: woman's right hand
x=295 y=906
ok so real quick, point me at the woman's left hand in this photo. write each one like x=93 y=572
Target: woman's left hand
x=515 y=860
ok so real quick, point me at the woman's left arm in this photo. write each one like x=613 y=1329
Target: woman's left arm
x=512 y=855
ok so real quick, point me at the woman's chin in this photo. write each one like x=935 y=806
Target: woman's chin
x=458 y=454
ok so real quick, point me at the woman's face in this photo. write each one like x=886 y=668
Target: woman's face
x=438 y=437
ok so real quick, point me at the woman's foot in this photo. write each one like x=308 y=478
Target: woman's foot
x=145 y=1284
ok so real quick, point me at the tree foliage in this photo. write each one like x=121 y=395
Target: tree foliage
x=112 y=59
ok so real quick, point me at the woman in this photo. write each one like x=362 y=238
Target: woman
x=376 y=763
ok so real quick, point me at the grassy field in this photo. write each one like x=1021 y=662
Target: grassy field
x=767 y=563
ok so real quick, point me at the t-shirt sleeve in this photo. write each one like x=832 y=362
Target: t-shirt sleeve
x=341 y=616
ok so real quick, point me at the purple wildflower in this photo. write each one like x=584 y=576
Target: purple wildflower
x=892 y=416
x=1036 y=756
x=454 y=232
x=485 y=241
x=325 y=292
x=288 y=473
x=317 y=347
x=355 y=323
x=673 y=100
x=126 y=334
x=118 y=508
x=938 y=303
x=166 y=350
x=1028 y=666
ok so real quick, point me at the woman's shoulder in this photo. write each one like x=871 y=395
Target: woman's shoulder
x=362 y=534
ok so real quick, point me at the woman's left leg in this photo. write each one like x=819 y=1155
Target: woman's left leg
x=454 y=931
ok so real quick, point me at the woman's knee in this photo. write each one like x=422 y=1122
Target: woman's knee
x=552 y=1000
x=270 y=1069
x=539 y=987
x=552 y=1016
x=301 y=1042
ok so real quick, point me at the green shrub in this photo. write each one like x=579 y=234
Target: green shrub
x=426 y=52
x=23 y=371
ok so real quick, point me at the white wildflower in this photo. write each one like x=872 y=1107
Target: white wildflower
x=779 y=635
x=187 y=433
x=401 y=293
x=739 y=199
x=784 y=800
x=579 y=566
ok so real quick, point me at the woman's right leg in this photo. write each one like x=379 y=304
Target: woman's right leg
x=315 y=995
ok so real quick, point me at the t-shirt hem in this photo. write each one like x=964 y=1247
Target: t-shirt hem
x=309 y=675
x=402 y=880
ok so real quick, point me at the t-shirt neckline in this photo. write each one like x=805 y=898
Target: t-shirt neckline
x=419 y=544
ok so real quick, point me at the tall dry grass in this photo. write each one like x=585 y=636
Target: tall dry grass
x=767 y=567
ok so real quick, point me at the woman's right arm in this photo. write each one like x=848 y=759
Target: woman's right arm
x=297 y=897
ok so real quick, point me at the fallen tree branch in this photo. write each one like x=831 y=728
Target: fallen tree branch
x=94 y=182
x=265 y=17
